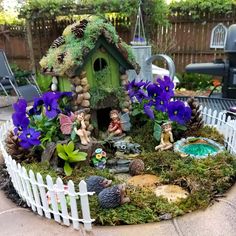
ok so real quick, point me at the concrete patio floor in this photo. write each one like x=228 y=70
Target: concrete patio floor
x=217 y=220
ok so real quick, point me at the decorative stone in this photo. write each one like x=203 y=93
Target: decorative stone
x=86 y=88
x=78 y=89
x=124 y=77
x=54 y=80
x=75 y=108
x=173 y=193
x=144 y=181
x=87 y=95
x=83 y=74
x=85 y=103
x=54 y=87
x=80 y=98
x=87 y=117
x=72 y=87
x=77 y=81
x=127 y=98
x=124 y=82
x=84 y=81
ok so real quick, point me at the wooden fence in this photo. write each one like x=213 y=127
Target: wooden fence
x=186 y=40
x=49 y=199
x=32 y=188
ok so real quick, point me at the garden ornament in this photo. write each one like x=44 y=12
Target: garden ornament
x=127 y=147
x=99 y=158
x=113 y=196
x=97 y=183
x=115 y=128
x=166 y=137
x=81 y=131
x=119 y=123
x=74 y=124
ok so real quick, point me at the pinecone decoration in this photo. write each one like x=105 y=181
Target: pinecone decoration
x=196 y=121
x=78 y=30
x=15 y=150
x=60 y=57
x=58 y=42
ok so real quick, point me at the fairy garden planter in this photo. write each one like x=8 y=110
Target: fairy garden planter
x=85 y=129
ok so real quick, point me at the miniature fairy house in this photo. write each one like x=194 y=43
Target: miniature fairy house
x=91 y=60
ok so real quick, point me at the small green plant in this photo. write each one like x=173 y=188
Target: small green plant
x=67 y=153
x=44 y=82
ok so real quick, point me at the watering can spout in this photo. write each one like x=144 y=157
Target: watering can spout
x=170 y=63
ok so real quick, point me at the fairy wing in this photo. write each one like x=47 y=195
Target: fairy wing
x=125 y=121
x=66 y=123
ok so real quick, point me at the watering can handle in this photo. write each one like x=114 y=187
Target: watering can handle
x=171 y=64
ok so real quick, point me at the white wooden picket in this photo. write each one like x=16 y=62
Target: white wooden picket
x=46 y=197
x=55 y=199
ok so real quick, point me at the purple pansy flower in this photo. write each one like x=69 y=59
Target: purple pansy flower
x=135 y=89
x=20 y=122
x=37 y=107
x=162 y=102
x=176 y=111
x=167 y=85
x=29 y=138
x=154 y=90
x=20 y=106
x=50 y=104
x=187 y=114
x=148 y=111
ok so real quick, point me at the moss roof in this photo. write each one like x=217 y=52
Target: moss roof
x=71 y=50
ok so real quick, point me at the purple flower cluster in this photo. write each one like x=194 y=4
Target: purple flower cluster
x=29 y=137
x=157 y=96
x=50 y=102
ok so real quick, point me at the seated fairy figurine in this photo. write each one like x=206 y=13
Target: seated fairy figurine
x=115 y=128
x=166 y=137
x=80 y=130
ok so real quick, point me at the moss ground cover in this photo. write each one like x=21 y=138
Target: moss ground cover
x=204 y=179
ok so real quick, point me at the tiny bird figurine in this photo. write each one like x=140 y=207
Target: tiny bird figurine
x=166 y=137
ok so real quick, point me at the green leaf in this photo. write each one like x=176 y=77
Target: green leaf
x=67 y=169
x=70 y=146
x=157 y=132
x=136 y=112
x=60 y=148
x=75 y=157
x=63 y=156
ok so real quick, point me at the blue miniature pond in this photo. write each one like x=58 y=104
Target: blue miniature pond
x=199 y=149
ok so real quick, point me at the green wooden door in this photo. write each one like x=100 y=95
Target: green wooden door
x=102 y=70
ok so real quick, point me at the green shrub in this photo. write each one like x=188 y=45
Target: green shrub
x=194 y=81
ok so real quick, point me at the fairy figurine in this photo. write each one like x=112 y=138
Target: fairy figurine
x=74 y=125
x=166 y=137
x=119 y=123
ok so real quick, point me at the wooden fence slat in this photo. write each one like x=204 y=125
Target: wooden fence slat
x=53 y=198
x=63 y=201
x=85 y=205
x=35 y=192
x=43 y=196
x=29 y=189
x=73 y=205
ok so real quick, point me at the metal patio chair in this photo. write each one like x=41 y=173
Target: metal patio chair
x=8 y=82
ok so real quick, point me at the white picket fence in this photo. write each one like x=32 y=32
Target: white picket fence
x=63 y=203
x=32 y=188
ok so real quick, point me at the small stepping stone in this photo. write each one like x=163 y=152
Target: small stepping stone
x=144 y=181
x=173 y=193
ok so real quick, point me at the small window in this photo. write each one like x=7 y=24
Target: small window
x=218 y=36
x=99 y=64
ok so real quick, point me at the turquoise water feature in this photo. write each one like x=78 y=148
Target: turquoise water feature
x=197 y=147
